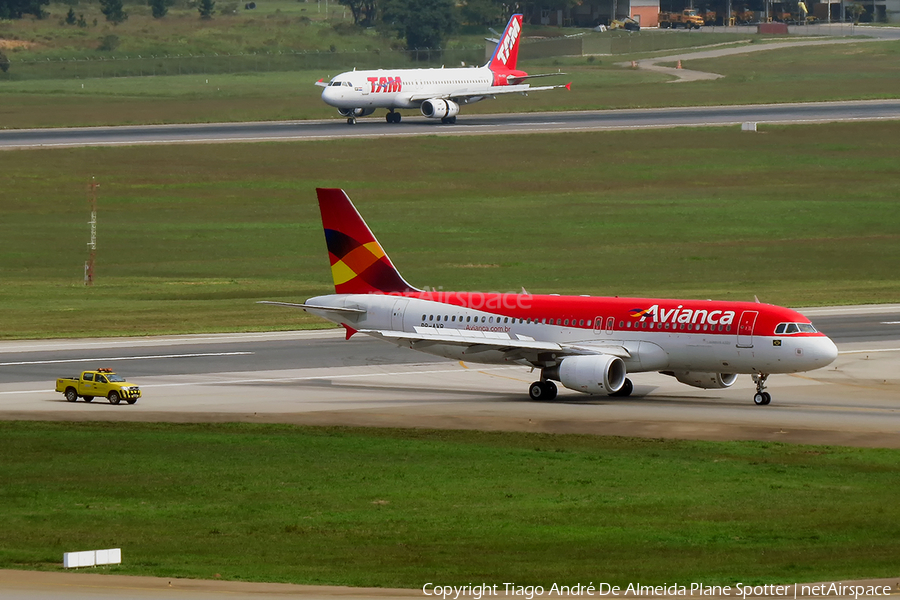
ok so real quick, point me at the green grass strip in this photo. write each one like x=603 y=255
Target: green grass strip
x=405 y=507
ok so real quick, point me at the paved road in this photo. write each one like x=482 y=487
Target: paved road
x=813 y=112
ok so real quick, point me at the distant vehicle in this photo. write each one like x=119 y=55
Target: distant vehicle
x=437 y=93
x=688 y=18
x=628 y=24
x=100 y=383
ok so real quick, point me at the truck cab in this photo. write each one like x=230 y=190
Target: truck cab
x=98 y=383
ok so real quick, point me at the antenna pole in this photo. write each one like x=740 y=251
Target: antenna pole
x=92 y=245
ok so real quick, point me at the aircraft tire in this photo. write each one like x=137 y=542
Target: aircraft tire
x=351 y=120
x=542 y=391
x=114 y=398
x=759 y=398
x=767 y=398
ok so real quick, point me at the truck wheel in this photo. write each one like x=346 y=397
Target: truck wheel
x=71 y=394
x=88 y=398
x=131 y=400
x=114 y=398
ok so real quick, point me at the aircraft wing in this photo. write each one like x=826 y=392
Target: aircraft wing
x=516 y=346
x=493 y=91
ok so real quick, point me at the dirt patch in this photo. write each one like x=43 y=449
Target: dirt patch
x=15 y=44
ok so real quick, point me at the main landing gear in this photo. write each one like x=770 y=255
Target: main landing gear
x=351 y=120
x=761 y=398
x=448 y=120
x=542 y=390
x=545 y=390
x=392 y=117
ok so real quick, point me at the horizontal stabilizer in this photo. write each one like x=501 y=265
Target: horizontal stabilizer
x=336 y=309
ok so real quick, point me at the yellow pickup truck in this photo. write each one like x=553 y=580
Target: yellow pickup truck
x=102 y=382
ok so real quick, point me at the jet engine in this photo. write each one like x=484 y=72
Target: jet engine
x=593 y=374
x=437 y=108
x=355 y=112
x=707 y=381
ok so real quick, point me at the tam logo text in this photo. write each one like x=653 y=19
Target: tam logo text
x=385 y=84
x=508 y=41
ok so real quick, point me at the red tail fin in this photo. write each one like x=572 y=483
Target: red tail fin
x=507 y=51
x=358 y=263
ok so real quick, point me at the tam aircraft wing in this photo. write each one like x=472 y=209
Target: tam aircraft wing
x=517 y=347
x=493 y=91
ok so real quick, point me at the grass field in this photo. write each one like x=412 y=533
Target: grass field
x=856 y=71
x=191 y=236
x=399 y=508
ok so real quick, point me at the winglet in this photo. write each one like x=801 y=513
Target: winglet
x=569 y=86
x=350 y=331
x=358 y=263
x=321 y=83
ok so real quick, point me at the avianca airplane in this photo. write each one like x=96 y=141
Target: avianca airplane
x=588 y=344
x=438 y=93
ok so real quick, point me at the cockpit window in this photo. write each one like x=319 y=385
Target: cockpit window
x=336 y=83
x=789 y=328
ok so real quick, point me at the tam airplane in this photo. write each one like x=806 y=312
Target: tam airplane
x=438 y=93
x=588 y=344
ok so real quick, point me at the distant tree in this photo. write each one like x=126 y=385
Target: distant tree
x=70 y=17
x=108 y=43
x=159 y=8
x=4 y=63
x=423 y=23
x=206 y=8
x=855 y=11
x=363 y=11
x=113 y=10
x=482 y=12
x=16 y=9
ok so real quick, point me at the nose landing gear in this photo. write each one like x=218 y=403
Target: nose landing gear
x=761 y=398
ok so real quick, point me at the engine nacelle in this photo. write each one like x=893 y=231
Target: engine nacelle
x=355 y=112
x=437 y=108
x=706 y=381
x=593 y=374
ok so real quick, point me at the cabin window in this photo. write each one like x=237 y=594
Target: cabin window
x=453 y=319
x=581 y=322
x=431 y=317
x=491 y=320
x=423 y=317
x=482 y=319
x=622 y=324
x=566 y=322
x=506 y=319
x=468 y=319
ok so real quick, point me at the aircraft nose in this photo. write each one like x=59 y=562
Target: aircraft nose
x=821 y=351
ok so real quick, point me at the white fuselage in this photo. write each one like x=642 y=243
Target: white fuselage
x=650 y=349
x=408 y=88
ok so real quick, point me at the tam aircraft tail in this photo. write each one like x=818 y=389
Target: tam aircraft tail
x=506 y=54
x=358 y=263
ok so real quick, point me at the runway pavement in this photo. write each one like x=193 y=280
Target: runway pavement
x=319 y=378
x=555 y=122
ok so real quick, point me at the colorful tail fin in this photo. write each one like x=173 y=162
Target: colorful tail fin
x=358 y=263
x=507 y=51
